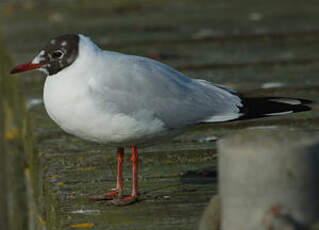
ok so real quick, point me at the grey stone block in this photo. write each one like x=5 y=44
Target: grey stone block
x=269 y=179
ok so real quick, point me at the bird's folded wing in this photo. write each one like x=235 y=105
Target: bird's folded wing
x=131 y=84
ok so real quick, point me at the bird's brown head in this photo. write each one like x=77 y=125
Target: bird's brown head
x=59 y=53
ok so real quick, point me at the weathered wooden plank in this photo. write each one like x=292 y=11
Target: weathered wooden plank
x=12 y=195
x=184 y=17
x=149 y=22
x=3 y=165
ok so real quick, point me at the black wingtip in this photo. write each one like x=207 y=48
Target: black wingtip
x=257 y=107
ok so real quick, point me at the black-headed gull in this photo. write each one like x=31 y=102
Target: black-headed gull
x=131 y=101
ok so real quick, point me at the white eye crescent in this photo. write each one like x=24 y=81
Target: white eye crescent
x=57 y=54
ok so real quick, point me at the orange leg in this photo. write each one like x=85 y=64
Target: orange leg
x=119 y=184
x=133 y=197
x=120 y=159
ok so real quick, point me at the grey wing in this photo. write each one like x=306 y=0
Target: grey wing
x=132 y=84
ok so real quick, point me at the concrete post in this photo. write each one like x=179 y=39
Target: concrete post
x=269 y=179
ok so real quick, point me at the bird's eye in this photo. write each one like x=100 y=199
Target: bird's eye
x=57 y=54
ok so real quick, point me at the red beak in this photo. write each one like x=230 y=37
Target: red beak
x=25 y=67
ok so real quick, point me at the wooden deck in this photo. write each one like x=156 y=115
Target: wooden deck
x=257 y=47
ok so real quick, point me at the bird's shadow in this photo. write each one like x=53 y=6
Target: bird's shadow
x=204 y=176
x=201 y=176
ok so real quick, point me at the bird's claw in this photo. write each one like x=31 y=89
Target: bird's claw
x=106 y=196
x=124 y=201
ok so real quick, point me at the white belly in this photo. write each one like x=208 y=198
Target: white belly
x=70 y=105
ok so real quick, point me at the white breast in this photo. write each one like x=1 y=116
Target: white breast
x=69 y=104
